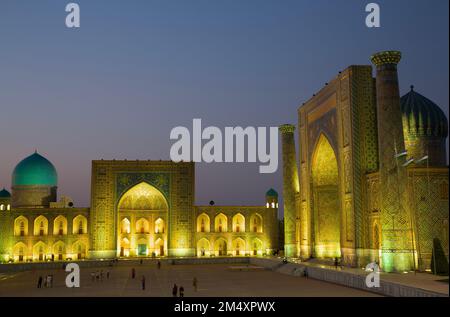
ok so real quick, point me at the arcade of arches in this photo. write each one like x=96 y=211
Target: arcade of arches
x=139 y=209
x=44 y=239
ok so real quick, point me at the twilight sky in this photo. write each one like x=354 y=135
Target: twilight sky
x=115 y=87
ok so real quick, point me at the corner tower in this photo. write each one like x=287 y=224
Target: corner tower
x=272 y=216
x=397 y=237
x=290 y=188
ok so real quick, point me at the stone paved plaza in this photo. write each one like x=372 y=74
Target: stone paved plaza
x=221 y=280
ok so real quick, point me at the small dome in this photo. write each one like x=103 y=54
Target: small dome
x=35 y=170
x=422 y=117
x=4 y=193
x=272 y=193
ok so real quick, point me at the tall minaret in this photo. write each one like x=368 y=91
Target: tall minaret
x=290 y=188
x=397 y=237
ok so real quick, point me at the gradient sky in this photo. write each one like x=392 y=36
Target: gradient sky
x=135 y=69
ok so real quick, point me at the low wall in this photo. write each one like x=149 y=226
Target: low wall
x=19 y=267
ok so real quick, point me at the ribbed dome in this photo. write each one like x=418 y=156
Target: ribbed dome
x=272 y=193
x=35 y=170
x=4 y=193
x=422 y=117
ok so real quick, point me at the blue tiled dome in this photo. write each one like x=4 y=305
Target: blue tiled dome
x=4 y=193
x=422 y=117
x=35 y=170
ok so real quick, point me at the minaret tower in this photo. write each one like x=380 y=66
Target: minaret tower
x=397 y=237
x=290 y=188
x=272 y=216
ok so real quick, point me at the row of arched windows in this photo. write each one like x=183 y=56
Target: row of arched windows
x=40 y=226
x=5 y=207
x=238 y=223
x=237 y=247
x=41 y=251
x=142 y=225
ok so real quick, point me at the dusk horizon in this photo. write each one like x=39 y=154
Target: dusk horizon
x=114 y=88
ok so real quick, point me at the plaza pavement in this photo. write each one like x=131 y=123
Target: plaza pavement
x=214 y=280
x=420 y=280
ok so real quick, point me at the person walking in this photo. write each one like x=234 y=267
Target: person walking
x=174 y=290
x=143 y=282
x=194 y=283
x=305 y=272
x=159 y=264
x=181 y=291
x=336 y=263
x=107 y=275
x=133 y=273
x=39 y=285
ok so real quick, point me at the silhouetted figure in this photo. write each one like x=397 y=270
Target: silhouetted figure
x=174 y=290
x=140 y=262
x=181 y=291
x=143 y=283
x=336 y=263
x=159 y=264
x=194 y=283
x=305 y=272
x=107 y=275
x=133 y=273
x=39 y=285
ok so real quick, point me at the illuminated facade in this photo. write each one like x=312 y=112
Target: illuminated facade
x=372 y=180
x=138 y=209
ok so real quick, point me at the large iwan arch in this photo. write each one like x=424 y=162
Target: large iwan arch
x=326 y=220
x=142 y=215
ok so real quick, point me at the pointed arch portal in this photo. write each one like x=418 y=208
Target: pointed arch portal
x=326 y=204
x=142 y=214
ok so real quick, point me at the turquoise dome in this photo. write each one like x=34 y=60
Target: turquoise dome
x=272 y=193
x=35 y=170
x=422 y=117
x=4 y=193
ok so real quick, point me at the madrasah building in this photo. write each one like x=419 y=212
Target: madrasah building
x=370 y=182
x=138 y=209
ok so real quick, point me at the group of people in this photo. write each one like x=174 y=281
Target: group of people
x=46 y=281
x=180 y=291
x=133 y=274
x=99 y=275
x=176 y=291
